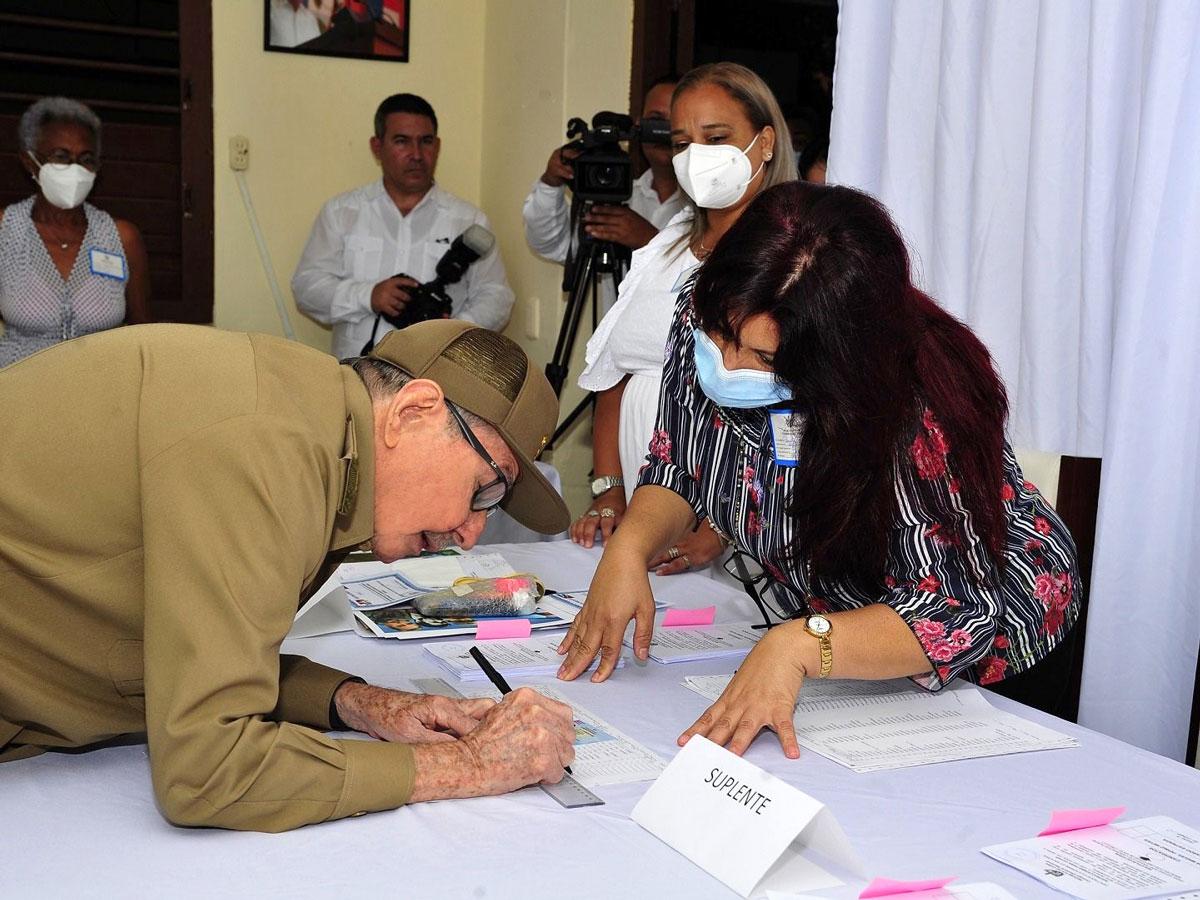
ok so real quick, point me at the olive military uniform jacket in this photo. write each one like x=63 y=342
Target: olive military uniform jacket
x=169 y=495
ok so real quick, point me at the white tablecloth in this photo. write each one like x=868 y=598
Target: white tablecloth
x=85 y=825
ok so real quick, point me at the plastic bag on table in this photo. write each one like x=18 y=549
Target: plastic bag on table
x=512 y=595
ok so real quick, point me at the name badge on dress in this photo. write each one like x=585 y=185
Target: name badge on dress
x=110 y=265
x=785 y=435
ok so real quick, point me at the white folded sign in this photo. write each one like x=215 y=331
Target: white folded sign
x=742 y=825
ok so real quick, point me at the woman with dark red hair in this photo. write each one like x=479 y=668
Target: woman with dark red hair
x=847 y=435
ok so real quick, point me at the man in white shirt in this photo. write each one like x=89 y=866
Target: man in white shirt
x=371 y=245
x=656 y=197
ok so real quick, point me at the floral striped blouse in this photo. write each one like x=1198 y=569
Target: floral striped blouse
x=971 y=622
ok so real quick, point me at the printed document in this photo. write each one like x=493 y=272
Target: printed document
x=675 y=645
x=519 y=658
x=1122 y=861
x=603 y=754
x=869 y=726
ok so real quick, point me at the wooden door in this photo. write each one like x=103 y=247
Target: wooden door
x=145 y=68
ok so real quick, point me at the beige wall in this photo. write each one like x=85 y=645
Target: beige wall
x=544 y=62
x=503 y=75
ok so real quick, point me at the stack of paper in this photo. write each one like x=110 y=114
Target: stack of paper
x=676 y=645
x=577 y=598
x=868 y=726
x=526 y=658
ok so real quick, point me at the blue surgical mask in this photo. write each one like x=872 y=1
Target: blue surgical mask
x=739 y=389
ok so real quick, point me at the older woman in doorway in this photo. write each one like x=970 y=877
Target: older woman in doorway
x=847 y=434
x=730 y=142
x=66 y=267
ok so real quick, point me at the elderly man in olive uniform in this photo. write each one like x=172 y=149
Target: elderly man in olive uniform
x=170 y=495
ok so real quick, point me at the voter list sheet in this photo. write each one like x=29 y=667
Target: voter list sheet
x=869 y=726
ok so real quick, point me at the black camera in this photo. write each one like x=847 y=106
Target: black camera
x=603 y=170
x=430 y=300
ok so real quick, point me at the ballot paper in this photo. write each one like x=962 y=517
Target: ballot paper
x=603 y=754
x=870 y=726
x=676 y=645
x=523 y=658
x=1122 y=861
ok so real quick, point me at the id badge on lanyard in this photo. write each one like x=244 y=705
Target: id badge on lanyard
x=785 y=437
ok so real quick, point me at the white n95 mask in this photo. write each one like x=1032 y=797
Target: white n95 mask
x=65 y=186
x=715 y=176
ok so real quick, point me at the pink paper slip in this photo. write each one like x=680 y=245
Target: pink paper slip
x=1073 y=819
x=494 y=629
x=676 y=618
x=887 y=887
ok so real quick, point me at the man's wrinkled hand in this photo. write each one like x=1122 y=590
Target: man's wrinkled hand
x=525 y=739
x=408 y=718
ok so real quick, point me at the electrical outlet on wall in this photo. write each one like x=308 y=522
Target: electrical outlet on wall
x=239 y=153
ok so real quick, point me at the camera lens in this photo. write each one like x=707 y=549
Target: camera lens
x=607 y=176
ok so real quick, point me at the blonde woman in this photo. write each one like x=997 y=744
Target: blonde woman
x=730 y=142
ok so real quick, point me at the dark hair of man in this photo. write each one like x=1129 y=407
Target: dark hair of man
x=815 y=151
x=403 y=103
x=864 y=352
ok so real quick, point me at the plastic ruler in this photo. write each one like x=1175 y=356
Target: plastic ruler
x=569 y=793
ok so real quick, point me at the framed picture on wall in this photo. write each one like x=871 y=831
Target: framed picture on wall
x=363 y=29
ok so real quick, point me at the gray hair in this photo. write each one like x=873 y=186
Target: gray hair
x=384 y=380
x=55 y=109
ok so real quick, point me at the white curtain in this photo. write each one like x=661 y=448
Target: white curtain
x=1043 y=160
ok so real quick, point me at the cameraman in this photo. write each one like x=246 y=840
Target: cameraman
x=362 y=240
x=655 y=200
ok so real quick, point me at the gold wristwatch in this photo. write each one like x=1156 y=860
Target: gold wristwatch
x=821 y=628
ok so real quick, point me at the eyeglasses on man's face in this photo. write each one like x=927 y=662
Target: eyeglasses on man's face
x=489 y=496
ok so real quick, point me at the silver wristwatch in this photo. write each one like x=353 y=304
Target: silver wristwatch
x=605 y=483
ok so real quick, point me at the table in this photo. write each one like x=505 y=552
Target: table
x=85 y=825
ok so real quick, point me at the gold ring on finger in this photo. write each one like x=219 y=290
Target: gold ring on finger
x=673 y=552
x=687 y=563
x=608 y=513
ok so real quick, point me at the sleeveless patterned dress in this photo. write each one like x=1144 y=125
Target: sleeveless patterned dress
x=38 y=307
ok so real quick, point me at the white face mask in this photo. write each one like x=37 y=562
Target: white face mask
x=715 y=176
x=65 y=186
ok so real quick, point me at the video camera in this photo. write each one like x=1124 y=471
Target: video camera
x=430 y=300
x=603 y=170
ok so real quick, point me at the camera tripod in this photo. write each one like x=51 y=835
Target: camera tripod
x=581 y=281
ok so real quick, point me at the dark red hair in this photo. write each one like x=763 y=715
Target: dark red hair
x=864 y=353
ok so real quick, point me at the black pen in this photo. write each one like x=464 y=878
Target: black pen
x=496 y=678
